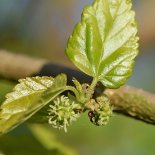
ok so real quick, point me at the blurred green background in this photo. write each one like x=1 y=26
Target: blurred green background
x=40 y=28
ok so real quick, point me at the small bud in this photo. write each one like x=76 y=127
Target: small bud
x=63 y=112
x=101 y=115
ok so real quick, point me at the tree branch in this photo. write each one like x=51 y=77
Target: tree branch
x=127 y=100
x=133 y=102
x=15 y=66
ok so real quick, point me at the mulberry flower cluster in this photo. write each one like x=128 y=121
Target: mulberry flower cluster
x=63 y=112
x=101 y=115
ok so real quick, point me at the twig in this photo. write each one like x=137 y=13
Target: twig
x=15 y=66
x=126 y=100
x=133 y=102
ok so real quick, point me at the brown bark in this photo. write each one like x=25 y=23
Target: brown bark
x=15 y=66
x=133 y=102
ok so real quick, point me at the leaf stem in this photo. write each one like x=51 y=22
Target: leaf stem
x=74 y=90
x=93 y=84
x=92 y=87
x=79 y=95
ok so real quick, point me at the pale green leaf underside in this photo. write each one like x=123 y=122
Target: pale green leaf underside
x=29 y=96
x=104 y=43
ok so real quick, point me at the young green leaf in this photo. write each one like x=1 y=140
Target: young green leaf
x=29 y=96
x=104 y=43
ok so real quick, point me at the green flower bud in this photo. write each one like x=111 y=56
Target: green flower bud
x=63 y=112
x=101 y=115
